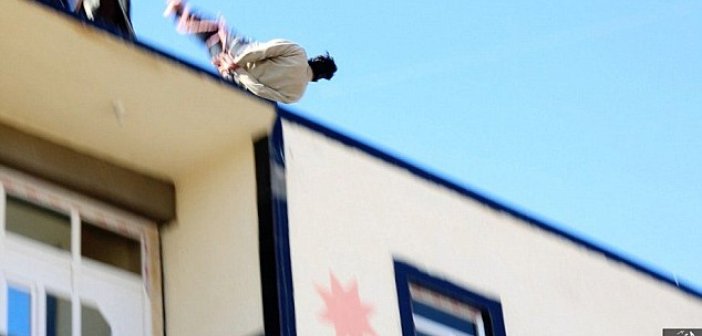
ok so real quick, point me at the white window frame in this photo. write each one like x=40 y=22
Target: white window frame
x=79 y=208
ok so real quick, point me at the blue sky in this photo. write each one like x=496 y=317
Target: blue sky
x=585 y=114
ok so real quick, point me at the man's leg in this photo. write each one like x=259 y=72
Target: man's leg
x=212 y=32
x=187 y=22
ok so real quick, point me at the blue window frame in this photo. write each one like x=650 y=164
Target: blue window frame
x=431 y=306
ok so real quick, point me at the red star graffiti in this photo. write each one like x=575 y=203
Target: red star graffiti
x=345 y=310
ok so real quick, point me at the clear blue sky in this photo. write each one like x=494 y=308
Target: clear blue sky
x=584 y=113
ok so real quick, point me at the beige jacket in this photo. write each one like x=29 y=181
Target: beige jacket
x=275 y=70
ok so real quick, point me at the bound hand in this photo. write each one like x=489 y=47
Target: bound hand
x=225 y=64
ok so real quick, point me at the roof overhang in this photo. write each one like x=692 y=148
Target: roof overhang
x=84 y=88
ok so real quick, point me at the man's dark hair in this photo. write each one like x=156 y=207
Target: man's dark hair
x=323 y=66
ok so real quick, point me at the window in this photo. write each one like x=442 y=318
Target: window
x=93 y=323
x=431 y=306
x=38 y=223
x=58 y=315
x=110 y=248
x=19 y=312
x=68 y=260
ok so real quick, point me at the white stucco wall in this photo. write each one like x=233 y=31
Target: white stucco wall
x=211 y=263
x=350 y=214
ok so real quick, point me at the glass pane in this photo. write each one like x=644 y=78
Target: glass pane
x=58 y=316
x=110 y=248
x=434 y=321
x=93 y=323
x=19 y=312
x=435 y=314
x=41 y=224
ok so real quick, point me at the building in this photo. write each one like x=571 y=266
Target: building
x=142 y=196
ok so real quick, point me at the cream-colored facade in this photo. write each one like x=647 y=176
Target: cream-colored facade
x=211 y=264
x=342 y=215
x=354 y=214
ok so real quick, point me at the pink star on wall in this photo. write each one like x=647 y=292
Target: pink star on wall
x=345 y=310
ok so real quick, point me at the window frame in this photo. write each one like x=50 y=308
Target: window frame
x=82 y=210
x=406 y=274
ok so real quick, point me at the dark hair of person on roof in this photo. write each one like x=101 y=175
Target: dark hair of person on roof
x=323 y=66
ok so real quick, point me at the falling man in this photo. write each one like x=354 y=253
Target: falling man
x=276 y=70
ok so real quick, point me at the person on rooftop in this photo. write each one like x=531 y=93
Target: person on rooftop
x=276 y=70
x=111 y=14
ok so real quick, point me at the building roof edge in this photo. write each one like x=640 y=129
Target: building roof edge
x=141 y=45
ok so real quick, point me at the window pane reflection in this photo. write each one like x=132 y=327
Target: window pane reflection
x=58 y=316
x=19 y=312
x=93 y=323
x=41 y=224
x=110 y=248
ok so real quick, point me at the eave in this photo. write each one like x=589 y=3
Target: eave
x=114 y=108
